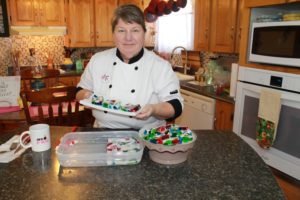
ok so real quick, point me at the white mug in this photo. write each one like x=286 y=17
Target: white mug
x=39 y=138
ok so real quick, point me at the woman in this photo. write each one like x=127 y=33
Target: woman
x=130 y=73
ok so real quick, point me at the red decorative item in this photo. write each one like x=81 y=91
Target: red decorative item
x=152 y=6
x=181 y=3
x=168 y=8
x=160 y=8
x=149 y=17
x=175 y=8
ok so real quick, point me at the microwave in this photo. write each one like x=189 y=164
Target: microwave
x=276 y=43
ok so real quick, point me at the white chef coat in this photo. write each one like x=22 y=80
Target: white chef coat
x=149 y=80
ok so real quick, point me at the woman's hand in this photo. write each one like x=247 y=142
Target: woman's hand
x=146 y=112
x=83 y=94
x=162 y=110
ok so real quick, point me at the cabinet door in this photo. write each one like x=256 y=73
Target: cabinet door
x=135 y=2
x=81 y=23
x=223 y=26
x=224 y=116
x=239 y=26
x=202 y=16
x=104 y=36
x=257 y=3
x=52 y=13
x=23 y=12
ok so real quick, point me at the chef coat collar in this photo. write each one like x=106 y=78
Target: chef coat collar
x=134 y=58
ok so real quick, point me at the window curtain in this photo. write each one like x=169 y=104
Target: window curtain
x=176 y=29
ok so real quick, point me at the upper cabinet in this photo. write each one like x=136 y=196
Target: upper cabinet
x=104 y=36
x=258 y=3
x=136 y=2
x=37 y=12
x=216 y=25
x=239 y=28
x=223 y=25
x=202 y=21
x=81 y=31
x=89 y=22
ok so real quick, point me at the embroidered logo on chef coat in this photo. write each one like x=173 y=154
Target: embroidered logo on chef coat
x=104 y=77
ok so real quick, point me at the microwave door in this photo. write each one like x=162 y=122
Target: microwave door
x=284 y=155
x=275 y=43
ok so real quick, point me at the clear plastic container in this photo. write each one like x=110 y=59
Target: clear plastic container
x=103 y=148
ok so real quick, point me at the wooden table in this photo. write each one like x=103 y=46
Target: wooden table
x=12 y=121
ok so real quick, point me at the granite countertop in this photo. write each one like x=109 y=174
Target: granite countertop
x=70 y=73
x=63 y=72
x=206 y=91
x=220 y=166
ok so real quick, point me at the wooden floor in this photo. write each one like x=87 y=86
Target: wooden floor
x=289 y=186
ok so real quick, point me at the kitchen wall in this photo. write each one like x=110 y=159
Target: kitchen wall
x=223 y=59
x=55 y=46
x=42 y=45
x=5 y=58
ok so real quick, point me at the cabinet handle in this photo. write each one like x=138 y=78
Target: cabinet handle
x=232 y=32
x=206 y=33
x=232 y=117
x=215 y=123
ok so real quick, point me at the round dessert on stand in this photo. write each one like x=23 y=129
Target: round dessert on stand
x=168 y=144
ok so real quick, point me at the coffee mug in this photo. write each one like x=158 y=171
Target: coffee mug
x=39 y=138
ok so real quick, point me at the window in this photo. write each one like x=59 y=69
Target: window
x=176 y=29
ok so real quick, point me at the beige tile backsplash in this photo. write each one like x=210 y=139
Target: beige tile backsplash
x=55 y=46
x=5 y=58
x=42 y=44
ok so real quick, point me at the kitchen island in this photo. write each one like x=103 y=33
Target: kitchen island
x=220 y=166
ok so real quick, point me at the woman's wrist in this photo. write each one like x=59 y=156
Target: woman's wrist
x=163 y=110
x=83 y=94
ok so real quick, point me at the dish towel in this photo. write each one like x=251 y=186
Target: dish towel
x=7 y=154
x=268 y=117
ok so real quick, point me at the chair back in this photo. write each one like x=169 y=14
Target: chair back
x=55 y=106
x=48 y=77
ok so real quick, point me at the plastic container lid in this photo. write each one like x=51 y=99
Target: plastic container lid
x=103 y=148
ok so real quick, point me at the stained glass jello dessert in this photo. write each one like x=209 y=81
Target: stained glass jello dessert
x=114 y=104
x=168 y=144
x=168 y=135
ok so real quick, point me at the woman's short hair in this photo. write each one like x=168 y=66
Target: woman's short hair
x=129 y=13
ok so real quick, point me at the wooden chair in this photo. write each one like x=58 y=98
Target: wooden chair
x=49 y=77
x=55 y=106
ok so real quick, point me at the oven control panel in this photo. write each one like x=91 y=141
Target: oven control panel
x=285 y=81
